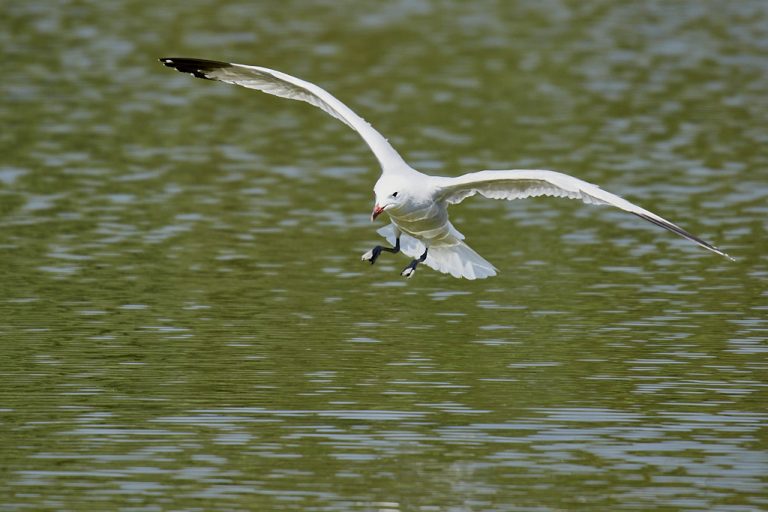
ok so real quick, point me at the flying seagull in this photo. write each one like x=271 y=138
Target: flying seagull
x=416 y=203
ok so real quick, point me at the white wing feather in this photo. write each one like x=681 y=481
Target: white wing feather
x=280 y=84
x=520 y=184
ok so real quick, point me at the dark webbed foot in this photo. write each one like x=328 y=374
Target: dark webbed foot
x=411 y=268
x=374 y=253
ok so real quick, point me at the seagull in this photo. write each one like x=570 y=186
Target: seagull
x=417 y=203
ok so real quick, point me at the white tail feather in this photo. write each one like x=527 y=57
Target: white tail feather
x=459 y=259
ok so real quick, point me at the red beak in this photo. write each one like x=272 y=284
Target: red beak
x=376 y=212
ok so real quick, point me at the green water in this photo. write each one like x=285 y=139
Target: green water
x=185 y=323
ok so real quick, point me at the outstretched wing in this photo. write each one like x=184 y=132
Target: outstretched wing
x=519 y=184
x=287 y=86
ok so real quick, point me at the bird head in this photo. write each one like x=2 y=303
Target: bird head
x=391 y=193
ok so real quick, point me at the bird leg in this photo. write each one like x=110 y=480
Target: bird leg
x=374 y=253
x=411 y=268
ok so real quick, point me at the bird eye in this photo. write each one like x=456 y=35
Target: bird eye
x=394 y=194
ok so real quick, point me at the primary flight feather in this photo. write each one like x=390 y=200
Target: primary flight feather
x=416 y=203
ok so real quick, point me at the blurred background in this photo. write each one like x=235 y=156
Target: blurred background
x=186 y=323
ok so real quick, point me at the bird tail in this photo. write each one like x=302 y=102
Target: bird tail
x=458 y=259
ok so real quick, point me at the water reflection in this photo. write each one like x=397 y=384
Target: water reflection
x=584 y=444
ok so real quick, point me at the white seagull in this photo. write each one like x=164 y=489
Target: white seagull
x=416 y=203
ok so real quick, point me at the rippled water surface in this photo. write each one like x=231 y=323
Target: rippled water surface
x=186 y=324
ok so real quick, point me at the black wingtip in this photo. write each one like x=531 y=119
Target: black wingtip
x=196 y=67
x=683 y=233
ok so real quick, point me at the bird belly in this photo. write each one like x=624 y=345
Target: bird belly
x=430 y=225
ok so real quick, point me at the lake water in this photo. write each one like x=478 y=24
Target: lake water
x=186 y=323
